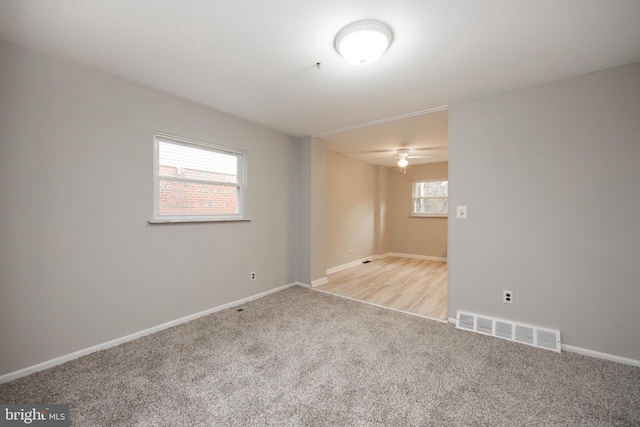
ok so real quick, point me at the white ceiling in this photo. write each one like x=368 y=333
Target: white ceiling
x=255 y=59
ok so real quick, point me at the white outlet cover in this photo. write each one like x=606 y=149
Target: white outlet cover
x=461 y=212
x=507 y=297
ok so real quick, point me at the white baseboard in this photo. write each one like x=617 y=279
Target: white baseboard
x=587 y=352
x=427 y=257
x=62 y=359
x=67 y=357
x=304 y=285
x=349 y=265
x=319 y=282
x=599 y=355
x=374 y=257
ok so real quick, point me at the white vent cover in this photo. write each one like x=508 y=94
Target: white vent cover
x=531 y=335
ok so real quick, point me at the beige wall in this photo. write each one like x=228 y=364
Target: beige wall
x=350 y=190
x=369 y=208
x=550 y=178
x=380 y=214
x=79 y=264
x=423 y=236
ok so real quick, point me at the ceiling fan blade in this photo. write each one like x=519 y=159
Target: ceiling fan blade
x=394 y=153
x=370 y=152
x=429 y=148
x=420 y=157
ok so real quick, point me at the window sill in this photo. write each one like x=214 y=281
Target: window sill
x=182 y=221
x=430 y=216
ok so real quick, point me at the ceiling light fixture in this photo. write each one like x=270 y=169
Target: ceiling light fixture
x=363 y=42
x=403 y=157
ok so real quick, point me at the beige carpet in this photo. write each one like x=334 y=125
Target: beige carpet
x=301 y=357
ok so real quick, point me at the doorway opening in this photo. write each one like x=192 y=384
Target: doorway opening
x=377 y=211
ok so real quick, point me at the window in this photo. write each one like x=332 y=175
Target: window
x=431 y=198
x=197 y=181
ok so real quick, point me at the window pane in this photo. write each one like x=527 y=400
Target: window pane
x=187 y=198
x=431 y=206
x=190 y=162
x=432 y=189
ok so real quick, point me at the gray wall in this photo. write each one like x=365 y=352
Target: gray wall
x=318 y=208
x=303 y=212
x=551 y=178
x=425 y=236
x=79 y=265
x=550 y=175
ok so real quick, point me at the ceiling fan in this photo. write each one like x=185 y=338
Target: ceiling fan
x=403 y=155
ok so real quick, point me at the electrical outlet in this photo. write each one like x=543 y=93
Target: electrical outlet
x=507 y=297
x=253 y=275
x=350 y=253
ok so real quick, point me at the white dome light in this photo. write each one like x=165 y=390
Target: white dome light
x=363 y=42
x=403 y=162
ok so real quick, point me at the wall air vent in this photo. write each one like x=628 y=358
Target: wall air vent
x=548 y=339
x=484 y=325
x=524 y=334
x=466 y=321
x=504 y=330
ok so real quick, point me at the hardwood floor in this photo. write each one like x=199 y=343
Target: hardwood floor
x=407 y=284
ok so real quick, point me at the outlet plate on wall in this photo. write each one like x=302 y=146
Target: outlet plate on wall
x=507 y=297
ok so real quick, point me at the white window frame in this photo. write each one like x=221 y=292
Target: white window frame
x=241 y=185
x=414 y=197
